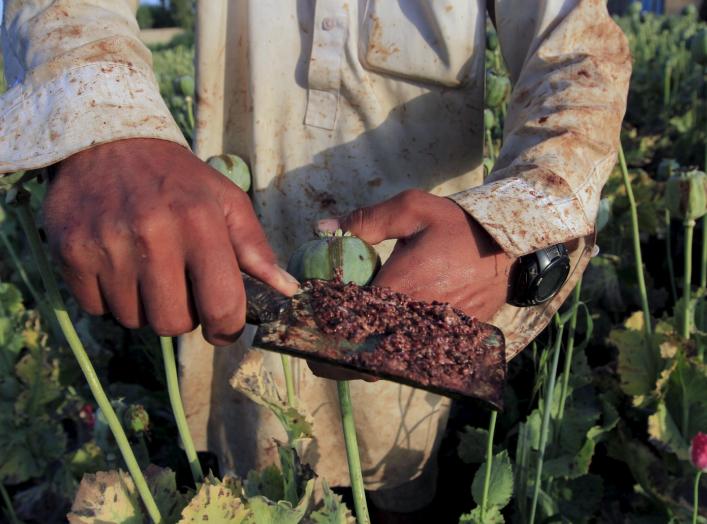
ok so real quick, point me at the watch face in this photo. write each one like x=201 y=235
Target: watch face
x=551 y=280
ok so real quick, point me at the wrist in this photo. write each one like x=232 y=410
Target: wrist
x=117 y=151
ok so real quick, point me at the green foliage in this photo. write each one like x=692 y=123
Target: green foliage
x=259 y=386
x=155 y=16
x=500 y=488
x=698 y=47
x=639 y=362
x=574 y=500
x=184 y=13
x=171 y=64
x=664 y=102
x=282 y=512
x=31 y=436
x=588 y=419
x=106 y=497
x=163 y=485
x=268 y=482
x=145 y=18
x=217 y=501
x=334 y=511
x=492 y=516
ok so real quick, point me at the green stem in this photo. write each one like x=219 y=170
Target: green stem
x=19 y=267
x=696 y=497
x=685 y=404
x=667 y=73
x=190 y=113
x=57 y=305
x=349 y=427
x=703 y=264
x=636 y=244
x=544 y=428
x=569 y=354
x=669 y=257
x=175 y=399
x=702 y=311
x=523 y=475
x=687 y=277
x=489 y=462
x=489 y=145
x=703 y=261
x=8 y=505
x=41 y=305
x=289 y=379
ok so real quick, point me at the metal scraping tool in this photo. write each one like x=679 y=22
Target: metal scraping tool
x=289 y=325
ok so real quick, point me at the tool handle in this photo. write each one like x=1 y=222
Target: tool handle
x=263 y=303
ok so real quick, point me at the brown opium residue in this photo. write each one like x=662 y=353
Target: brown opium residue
x=429 y=342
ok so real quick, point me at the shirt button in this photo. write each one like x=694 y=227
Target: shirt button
x=328 y=24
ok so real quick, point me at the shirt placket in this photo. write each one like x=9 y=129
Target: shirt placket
x=324 y=72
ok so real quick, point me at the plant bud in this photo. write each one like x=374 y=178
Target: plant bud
x=685 y=195
x=667 y=168
x=698 y=451
x=698 y=47
x=491 y=40
x=689 y=11
x=137 y=419
x=184 y=85
x=234 y=168
x=489 y=119
x=497 y=89
x=323 y=257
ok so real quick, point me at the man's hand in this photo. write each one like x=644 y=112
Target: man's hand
x=441 y=254
x=145 y=230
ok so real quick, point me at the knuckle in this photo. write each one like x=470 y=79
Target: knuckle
x=261 y=252
x=198 y=215
x=223 y=328
x=149 y=225
x=108 y=233
x=411 y=199
x=226 y=318
x=357 y=220
x=71 y=248
x=223 y=337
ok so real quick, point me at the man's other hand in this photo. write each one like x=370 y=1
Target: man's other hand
x=145 y=230
x=441 y=252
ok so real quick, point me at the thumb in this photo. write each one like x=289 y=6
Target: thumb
x=254 y=254
x=398 y=217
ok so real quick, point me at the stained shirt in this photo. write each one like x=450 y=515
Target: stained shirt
x=338 y=104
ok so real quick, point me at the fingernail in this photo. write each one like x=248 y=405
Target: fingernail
x=328 y=225
x=288 y=278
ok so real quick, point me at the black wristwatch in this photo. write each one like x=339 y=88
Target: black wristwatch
x=537 y=277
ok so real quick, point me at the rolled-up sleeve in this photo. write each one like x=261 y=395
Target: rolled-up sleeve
x=77 y=76
x=570 y=66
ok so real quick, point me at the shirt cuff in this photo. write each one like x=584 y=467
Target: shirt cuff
x=523 y=216
x=80 y=108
